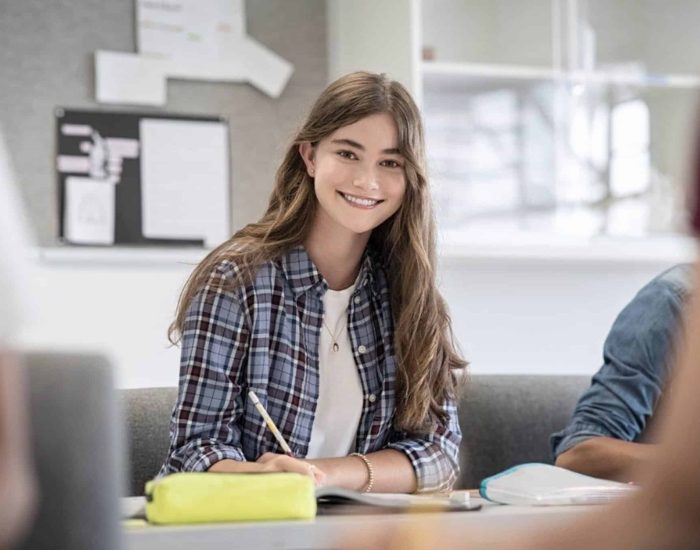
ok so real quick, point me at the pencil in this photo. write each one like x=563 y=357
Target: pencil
x=270 y=423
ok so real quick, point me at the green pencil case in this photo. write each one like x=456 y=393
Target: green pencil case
x=207 y=497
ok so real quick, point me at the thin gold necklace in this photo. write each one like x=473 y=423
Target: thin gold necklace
x=334 y=337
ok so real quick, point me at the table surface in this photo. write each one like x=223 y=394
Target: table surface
x=328 y=530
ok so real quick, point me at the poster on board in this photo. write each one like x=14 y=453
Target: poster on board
x=142 y=179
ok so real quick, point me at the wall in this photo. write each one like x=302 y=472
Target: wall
x=375 y=36
x=538 y=317
x=510 y=316
x=509 y=32
x=121 y=308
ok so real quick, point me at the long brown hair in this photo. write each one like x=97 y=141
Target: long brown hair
x=405 y=243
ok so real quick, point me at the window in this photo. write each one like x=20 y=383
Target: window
x=566 y=116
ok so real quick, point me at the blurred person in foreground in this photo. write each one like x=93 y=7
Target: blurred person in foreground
x=17 y=485
x=664 y=514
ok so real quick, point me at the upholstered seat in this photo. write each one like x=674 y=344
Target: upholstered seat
x=147 y=412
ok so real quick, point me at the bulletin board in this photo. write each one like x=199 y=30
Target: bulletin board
x=142 y=179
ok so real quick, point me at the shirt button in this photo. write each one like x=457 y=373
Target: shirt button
x=357 y=299
x=372 y=398
x=362 y=349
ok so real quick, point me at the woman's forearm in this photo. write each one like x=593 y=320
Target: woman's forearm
x=608 y=458
x=236 y=467
x=393 y=472
x=272 y=462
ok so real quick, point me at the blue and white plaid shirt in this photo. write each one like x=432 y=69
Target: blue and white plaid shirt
x=264 y=336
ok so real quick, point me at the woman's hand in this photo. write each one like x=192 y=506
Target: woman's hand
x=273 y=462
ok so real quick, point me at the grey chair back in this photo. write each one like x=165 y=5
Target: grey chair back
x=147 y=414
x=76 y=446
x=507 y=420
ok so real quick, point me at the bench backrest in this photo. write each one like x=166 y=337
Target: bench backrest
x=506 y=420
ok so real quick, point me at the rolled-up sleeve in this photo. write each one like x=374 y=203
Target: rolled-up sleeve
x=434 y=456
x=637 y=355
x=203 y=426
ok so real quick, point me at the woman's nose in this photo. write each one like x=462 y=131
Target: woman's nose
x=366 y=179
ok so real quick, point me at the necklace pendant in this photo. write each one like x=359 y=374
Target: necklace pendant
x=336 y=347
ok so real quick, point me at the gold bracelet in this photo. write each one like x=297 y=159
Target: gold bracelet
x=370 y=471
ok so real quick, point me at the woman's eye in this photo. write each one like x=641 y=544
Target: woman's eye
x=391 y=164
x=347 y=155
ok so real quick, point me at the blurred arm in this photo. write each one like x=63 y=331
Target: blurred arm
x=17 y=490
x=608 y=458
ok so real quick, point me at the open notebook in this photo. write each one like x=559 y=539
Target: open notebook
x=455 y=501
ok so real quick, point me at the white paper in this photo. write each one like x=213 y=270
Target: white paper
x=186 y=30
x=89 y=211
x=189 y=39
x=457 y=500
x=103 y=157
x=205 y=40
x=76 y=129
x=129 y=78
x=265 y=69
x=133 y=507
x=122 y=148
x=73 y=163
x=256 y=64
x=185 y=180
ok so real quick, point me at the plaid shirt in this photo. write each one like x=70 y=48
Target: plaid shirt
x=264 y=336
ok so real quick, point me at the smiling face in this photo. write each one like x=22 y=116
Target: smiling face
x=358 y=173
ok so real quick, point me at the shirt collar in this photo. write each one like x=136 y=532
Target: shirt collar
x=302 y=274
x=368 y=275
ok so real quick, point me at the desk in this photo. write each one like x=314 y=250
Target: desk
x=326 y=531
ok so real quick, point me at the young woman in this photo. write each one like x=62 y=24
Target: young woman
x=327 y=309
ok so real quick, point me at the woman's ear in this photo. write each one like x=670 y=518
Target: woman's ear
x=306 y=150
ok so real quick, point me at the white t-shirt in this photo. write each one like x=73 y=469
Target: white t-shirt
x=14 y=252
x=340 y=394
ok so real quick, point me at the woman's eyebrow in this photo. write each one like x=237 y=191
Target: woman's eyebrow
x=353 y=143
x=349 y=142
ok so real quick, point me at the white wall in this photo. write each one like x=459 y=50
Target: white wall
x=543 y=317
x=118 y=307
x=366 y=35
x=510 y=315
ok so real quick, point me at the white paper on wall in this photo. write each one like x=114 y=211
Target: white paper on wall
x=188 y=29
x=188 y=39
x=185 y=180
x=129 y=78
x=89 y=211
